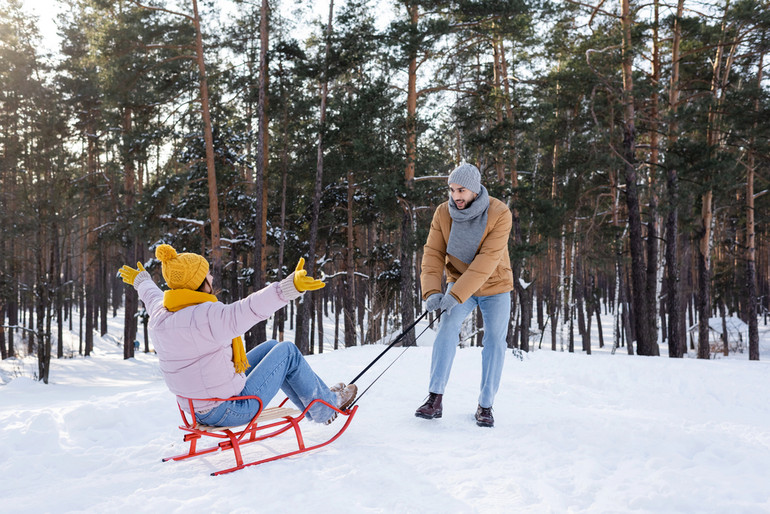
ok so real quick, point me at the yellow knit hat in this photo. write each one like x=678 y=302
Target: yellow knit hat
x=182 y=270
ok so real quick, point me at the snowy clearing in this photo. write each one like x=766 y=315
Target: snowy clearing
x=574 y=433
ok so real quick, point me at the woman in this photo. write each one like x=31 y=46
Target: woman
x=202 y=355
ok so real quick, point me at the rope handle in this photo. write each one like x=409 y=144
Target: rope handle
x=401 y=336
x=391 y=345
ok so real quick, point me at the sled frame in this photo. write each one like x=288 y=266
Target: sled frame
x=266 y=424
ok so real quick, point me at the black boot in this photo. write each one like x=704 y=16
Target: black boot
x=432 y=408
x=484 y=417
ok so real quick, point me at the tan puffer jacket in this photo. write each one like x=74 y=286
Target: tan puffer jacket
x=490 y=271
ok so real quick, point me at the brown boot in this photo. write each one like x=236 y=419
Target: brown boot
x=484 y=417
x=432 y=407
x=346 y=394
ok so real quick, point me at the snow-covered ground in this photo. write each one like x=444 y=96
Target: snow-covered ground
x=574 y=433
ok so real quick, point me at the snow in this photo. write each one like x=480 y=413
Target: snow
x=574 y=433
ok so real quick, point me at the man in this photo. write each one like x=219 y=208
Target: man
x=468 y=240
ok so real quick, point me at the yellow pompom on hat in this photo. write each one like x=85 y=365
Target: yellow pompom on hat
x=182 y=270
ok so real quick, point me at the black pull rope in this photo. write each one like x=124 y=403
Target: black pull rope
x=391 y=345
x=403 y=334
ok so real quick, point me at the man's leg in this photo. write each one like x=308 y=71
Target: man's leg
x=496 y=311
x=445 y=344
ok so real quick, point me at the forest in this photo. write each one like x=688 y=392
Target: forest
x=631 y=141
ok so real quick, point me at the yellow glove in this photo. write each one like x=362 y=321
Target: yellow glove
x=128 y=274
x=302 y=282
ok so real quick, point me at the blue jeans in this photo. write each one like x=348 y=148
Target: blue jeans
x=496 y=312
x=274 y=365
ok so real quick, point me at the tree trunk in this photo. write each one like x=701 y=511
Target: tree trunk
x=216 y=252
x=653 y=242
x=407 y=232
x=677 y=346
x=90 y=263
x=320 y=320
x=3 y=348
x=751 y=254
x=103 y=295
x=525 y=295
x=281 y=314
x=258 y=333
x=308 y=303
x=497 y=50
x=580 y=291
x=339 y=286
x=41 y=300
x=617 y=323
x=646 y=344
x=599 y=325
x=58 y=291
x=704 y=278
x=131 y=297
x=373 y=311
x=569 y=310
x=525 y=306
x=720 y=75
x=563 y=290
x=350 y=290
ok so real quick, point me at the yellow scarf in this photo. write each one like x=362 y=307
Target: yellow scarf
x=177 y=299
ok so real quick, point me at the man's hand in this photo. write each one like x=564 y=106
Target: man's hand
x=448 y=303
x=434 y=301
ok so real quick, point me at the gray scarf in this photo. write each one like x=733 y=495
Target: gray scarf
x=468 y=227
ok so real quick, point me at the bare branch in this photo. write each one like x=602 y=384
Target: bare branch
x=594 y=9
x=431 y=177
x=151 y=8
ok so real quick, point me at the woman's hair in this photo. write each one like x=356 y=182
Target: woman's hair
x=211 y=286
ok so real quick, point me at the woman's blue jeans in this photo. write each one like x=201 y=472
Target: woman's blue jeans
x=274 y=365
x=496 y=312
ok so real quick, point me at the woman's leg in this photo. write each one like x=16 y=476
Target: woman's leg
x=256 y=354
x=275 y=365
x=284 y=367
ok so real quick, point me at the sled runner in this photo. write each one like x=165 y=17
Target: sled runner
x=266 y=424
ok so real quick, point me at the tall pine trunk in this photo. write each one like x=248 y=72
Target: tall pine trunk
x=653 y=241
x=41 y=303
x=407 y=230
x=258 y=334
x=350 y=289
x=307 y=305
x=216 y=251
x=281 y=314
x=646 y=343
x=751 y=254
x=132 y=299
x=90 y=259
x=720 y=72
x=677 y=344
x=524 y=293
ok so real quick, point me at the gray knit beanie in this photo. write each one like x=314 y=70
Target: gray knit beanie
x=466 y=175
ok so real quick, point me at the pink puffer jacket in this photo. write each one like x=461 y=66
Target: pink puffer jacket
x=194 y=345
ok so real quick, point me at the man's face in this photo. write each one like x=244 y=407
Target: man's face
x=462 y=196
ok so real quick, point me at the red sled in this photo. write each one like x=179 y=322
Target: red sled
x=266 y=424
